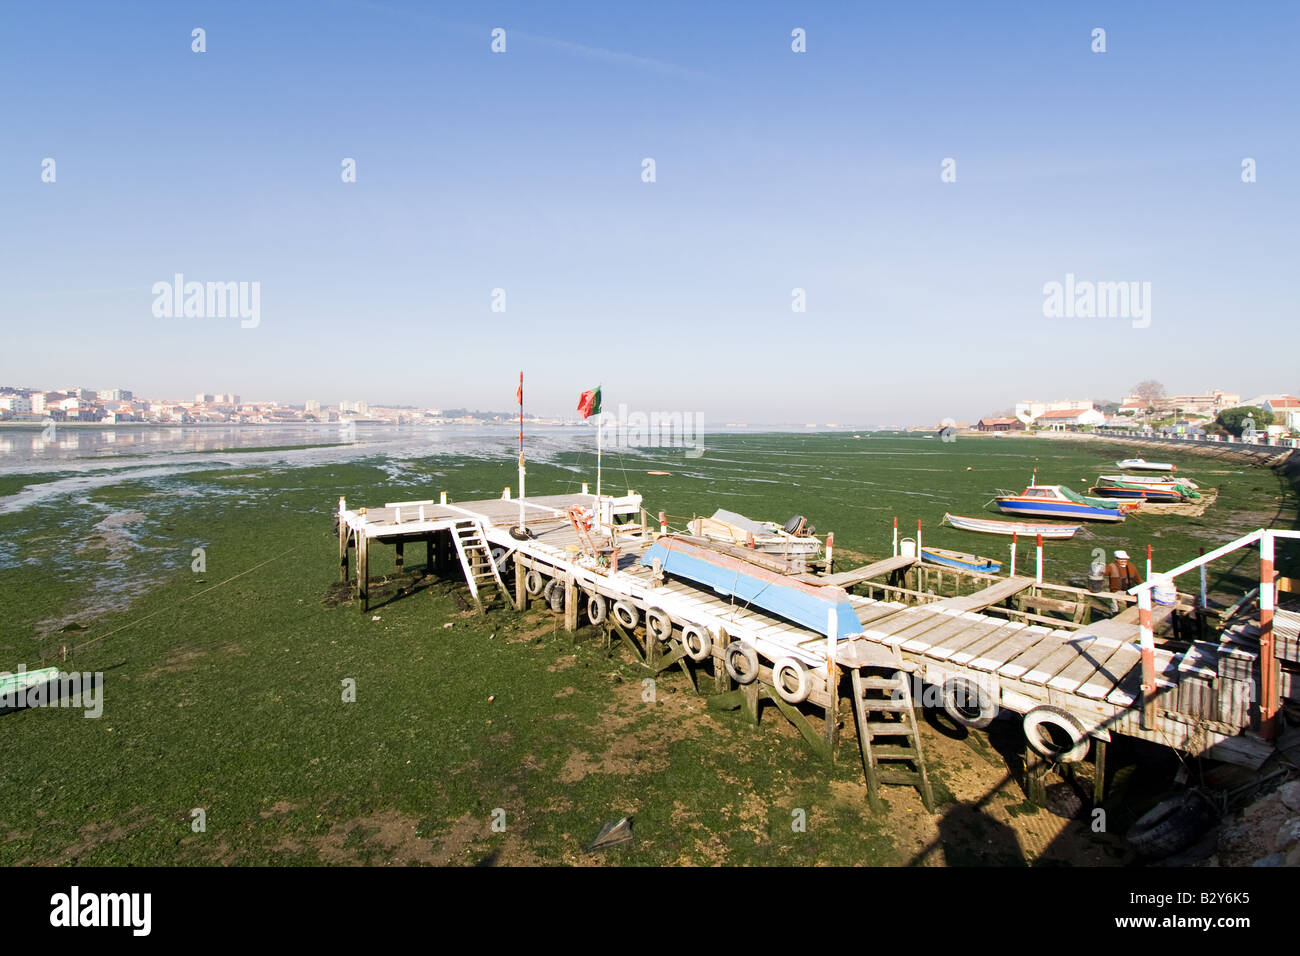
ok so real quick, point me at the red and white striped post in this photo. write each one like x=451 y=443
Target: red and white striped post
x=918 y=539
x=1148 y=562
x=830 y=551
x=895 y=535
x=663 y=523
x=1013 y=554
x=1147 y=642
x=1268 y=689
x=1038 y=568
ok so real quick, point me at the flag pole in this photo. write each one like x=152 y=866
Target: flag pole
x=600 y=417
x=522 y=529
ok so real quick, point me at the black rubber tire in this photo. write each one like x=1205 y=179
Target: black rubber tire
x=740 y=652
x=554 y=594
x=1067 y=722
x=658 y=624
x=597 y=608
x=960 y=695
x=1171 y=825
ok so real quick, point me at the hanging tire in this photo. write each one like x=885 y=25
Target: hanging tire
x=791 y=680
x=1171 y=825
x=742 y=662
x=969 y=704
x=554 y=594
x=597 y=608
x=534 y=583
x=1056 y=734
x=697 y=642
x=626 y=614
x=658 y=624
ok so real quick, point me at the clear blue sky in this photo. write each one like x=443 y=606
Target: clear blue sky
x=775 y=170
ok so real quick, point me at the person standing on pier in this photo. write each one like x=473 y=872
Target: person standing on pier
x=1123 y=574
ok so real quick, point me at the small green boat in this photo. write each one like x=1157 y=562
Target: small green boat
x=12 y=684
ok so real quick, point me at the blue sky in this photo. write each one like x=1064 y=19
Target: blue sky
x=775 y=170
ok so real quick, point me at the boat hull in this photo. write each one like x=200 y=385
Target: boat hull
x=1056 y=509
x=1141 y=464
x=1008 y=528
x=806 y=604
x=1137 y=494
x=955 y=559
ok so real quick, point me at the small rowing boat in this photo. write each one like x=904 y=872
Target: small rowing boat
x=1150 y=488
x=1058 y=501
x=958 y=559
x=794 y=538
x=1008 y=528
x=1141 y=464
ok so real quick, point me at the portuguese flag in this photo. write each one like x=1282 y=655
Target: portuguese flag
x=589 y=402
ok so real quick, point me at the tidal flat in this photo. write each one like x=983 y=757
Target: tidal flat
x=201 y=584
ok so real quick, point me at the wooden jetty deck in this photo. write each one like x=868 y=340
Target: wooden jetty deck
x=1086 y=677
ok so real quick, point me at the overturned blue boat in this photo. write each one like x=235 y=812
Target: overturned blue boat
x=807 y=604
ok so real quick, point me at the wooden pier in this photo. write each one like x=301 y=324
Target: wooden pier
x=1075 y=682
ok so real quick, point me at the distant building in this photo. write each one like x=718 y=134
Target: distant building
x=312 y=407
x=1034 y=409
x=1286 y=411
x=1133 y=405
x=1000 y=425
x=114 y=395
x=1065 y=418
x=1208 y=404
x=16 y=404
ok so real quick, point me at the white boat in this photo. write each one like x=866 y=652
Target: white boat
x=1141 y=464
x=1156 y=480
x=996 y=526
x=795 y=537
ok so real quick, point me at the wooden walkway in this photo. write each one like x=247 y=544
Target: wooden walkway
x=1092 y=672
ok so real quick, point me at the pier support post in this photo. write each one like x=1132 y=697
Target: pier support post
x=345 y=542
x=363 y=569
x=750 y=692
x=428 y=553
x=399 y=548
x=721 y=679
x=1146 y=642
x=1099 y=772
x=570 y=604
x=521 y=594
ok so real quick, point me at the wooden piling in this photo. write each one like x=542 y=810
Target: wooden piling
x=521 y=593
x=571 y=593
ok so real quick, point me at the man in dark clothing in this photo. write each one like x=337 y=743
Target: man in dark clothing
x=1121 y=572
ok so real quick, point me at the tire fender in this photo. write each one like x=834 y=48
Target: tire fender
x=698 y=643
x=1067 y=723
x=554 y=594
x=741 y=661
x=658 y=624
x=534 y=583
x=961 y=696
x=626 y=614
x=597 y=608
x=788 y=670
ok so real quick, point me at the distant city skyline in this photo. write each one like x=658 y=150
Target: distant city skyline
x=369 y=201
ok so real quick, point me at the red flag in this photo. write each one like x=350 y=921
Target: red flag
x=589 y=402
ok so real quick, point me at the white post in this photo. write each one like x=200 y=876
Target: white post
x=421 y=514
x=831 y=631
x=1013 y=554
x=1147 y=644
x=1038 y=570
x=343 y=505
x=895 y=535
x=442 y=498
x=584 y=489
x=521 y=491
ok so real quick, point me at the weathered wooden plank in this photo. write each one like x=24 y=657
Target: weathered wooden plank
x=1092 y=657
x=977 y=627
x=988 y=642
x=1031 y=656
x=1018 y=643
x=994 y=594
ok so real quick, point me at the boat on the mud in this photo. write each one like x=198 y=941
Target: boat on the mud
x=1008 y=528
x=1058 y=501
x=754 y=585
x=794 y=538
x=1164 y=490
x=959 y=559
x=1141 y=464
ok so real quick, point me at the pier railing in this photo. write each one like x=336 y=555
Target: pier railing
x=1269 y=701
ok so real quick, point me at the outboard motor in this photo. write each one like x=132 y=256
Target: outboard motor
x=798 y=525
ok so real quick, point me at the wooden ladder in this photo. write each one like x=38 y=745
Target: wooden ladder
x=887 y=731
x=476 y=559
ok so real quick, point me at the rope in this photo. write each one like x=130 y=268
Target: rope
x=191 y=597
